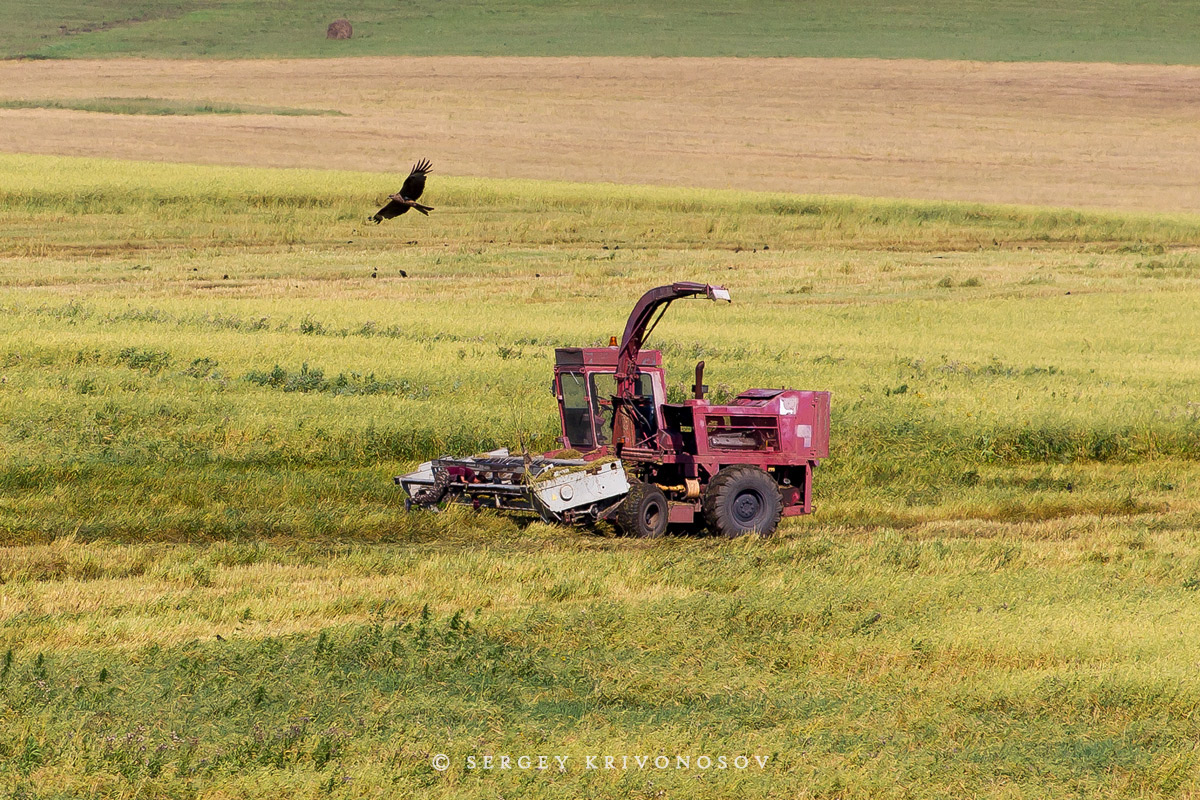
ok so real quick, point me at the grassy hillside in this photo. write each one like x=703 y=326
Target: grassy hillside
x=208 y=587
x=1013 y=30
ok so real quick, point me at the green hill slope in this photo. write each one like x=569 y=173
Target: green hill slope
x=1010 y=30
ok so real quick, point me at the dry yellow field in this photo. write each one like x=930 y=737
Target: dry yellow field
x=1090 y=135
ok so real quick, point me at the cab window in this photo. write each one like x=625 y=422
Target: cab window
x=604 y=386
x=577 y=415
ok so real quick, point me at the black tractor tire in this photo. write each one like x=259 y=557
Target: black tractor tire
x=741 y=500
x=643 y=512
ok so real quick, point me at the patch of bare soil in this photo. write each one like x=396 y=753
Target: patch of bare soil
x=1098 y=135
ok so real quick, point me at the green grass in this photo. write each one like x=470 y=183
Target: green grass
x=857 y=665
x=204 y=393
x=160 y=107
x=986 y=362
x=1113 y=30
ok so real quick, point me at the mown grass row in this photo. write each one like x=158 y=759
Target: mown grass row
x=161 y=107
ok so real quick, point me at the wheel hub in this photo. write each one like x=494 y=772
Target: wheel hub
x=650 y=516
x=746 y=507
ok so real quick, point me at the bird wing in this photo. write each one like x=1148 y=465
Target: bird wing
x=414 y=184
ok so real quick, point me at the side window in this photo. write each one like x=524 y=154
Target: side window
x=577 y=416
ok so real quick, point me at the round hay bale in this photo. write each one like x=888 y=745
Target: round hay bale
x=339 y=29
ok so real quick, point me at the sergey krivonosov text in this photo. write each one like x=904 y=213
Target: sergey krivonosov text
x=541 y=762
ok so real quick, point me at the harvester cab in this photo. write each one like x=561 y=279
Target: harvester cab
x=612 y=397
x=585 y=384
x=631 y=457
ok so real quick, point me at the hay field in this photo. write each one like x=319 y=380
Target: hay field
x=208 y=588
x=1081 y=135
x=208 y=375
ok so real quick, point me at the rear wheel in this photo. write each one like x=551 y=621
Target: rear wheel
x=643 y=512
x=742 y=500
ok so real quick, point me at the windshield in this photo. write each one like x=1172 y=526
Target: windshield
x=604 y=386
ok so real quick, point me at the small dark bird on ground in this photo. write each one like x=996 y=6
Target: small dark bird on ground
x=403 y=274
x=406 y=198
x=373 y=273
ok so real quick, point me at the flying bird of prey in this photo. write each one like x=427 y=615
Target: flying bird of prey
x=406 y=198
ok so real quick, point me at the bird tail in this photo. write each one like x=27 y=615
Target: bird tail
x=423 y=209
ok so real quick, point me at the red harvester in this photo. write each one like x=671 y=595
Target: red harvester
x=646 y=462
